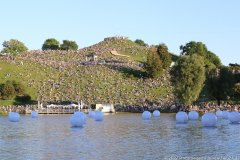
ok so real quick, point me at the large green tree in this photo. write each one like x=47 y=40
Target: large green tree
x=50 y=44
x=219 y=84
x=188 y=78
x=165 y=56
x=210 y=58
x=153 y=65
x=69 y=45
x=13 y=47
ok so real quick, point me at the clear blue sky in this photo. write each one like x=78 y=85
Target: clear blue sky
x=173 y=22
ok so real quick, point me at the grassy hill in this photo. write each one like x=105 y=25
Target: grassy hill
x=60 y=76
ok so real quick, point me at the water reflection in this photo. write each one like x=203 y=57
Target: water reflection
x=121 y=136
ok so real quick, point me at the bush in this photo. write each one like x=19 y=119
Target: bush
x=50 y=44
x=69 y=45
x=19 y=88
x=8 y=90
x=140 y=42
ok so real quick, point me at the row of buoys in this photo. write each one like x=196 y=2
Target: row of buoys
x=147 y=115
x=209 y=119
x=15 y=117
x=76 y=120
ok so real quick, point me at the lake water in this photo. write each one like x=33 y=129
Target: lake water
x=119 y=136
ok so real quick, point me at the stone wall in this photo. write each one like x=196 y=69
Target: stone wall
x=22 y=109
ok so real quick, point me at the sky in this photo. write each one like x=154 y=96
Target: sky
x=216 y=23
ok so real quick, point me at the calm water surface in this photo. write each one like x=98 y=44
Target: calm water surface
x=119 y=136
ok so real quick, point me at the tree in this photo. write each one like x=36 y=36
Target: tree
x=194 y=48
x=13 y=47
x=165 y=56
x=140 y=42
x=210 y=59
x=237 y=89
x=188 y=78
x=50 y=44
x=8 y=90
x=69 y=45
x=214 y=59
x=153 y=65
x=219 y=84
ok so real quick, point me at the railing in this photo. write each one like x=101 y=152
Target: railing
x=56 y=110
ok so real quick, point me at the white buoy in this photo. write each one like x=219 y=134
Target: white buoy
x=234 y=117
x=209 y=120
x=193 y=115
x=219 y=114
x=13 y=117
x=99 y=116
x=34 y=114
x=91 y=114
x=225 y=114
x=77 y=120
x=181 y=117
x=156 y=113
x=78 y=113
x=146 y=115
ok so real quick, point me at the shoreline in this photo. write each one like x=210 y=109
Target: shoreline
x=171 y=108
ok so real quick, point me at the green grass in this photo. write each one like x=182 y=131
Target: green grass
x=6 y=102
x=140 y=56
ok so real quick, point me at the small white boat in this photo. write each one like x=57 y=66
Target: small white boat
x=105 y=108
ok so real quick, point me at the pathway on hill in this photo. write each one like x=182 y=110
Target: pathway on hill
x=115 y=53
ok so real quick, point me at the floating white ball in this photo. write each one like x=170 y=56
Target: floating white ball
x=181 y=117
x=209 y=120
x=234 y=117
x=34 y=114
x=156 y=113
x=193 y=115
x=99 y=116
x=91 y=114
x=225 y=114
x=79 y=113
x=146 y=115
x=13 y=117
x=219 y=114
x=77 y=120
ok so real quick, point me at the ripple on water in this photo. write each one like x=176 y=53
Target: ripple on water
x=121 y=136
